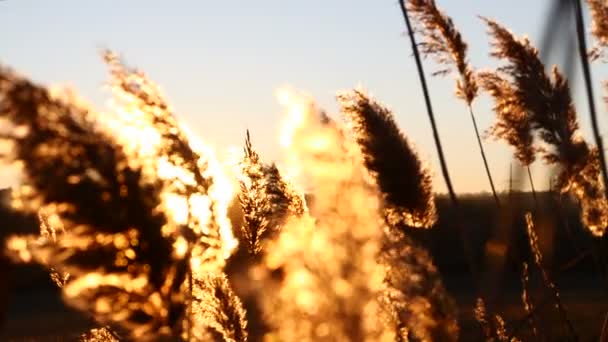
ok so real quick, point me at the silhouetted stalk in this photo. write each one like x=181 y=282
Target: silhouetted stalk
x=429 y=107
x=483 y=156
x=549 y=284
x=582 y=49
x=532 y=186
x=444 y=168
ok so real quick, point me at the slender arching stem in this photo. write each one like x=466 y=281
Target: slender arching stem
x=429 y=107
x=483 y=156
x=582 y=49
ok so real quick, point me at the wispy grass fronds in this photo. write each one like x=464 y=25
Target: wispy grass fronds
x=122 y=269
x=414 y=295
x=538 y=260
x=512 y=120
x=444 y=42
x=218 y=311
x=193 y=181
x=599 y=28
x=429 y=106
x=405 y=183
x=529 y=97
x=266 y=199
x=329 y=280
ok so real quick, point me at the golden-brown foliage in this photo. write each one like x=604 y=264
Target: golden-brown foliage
x=413 y=293
x=134 y=210
x=265 y=198
x=406 y=185
x=512 y=121
x=112 y=246
x=527 y=97
x=443 y=41
x=329 y=279
x=599 y=28
x=217 y=311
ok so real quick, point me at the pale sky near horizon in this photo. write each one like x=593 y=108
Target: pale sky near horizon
x=220 y=62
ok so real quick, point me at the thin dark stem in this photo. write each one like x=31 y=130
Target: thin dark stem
x=466 y=244
x=483 y=156
x=532 y=186
x=429 y=107
x=582 y=49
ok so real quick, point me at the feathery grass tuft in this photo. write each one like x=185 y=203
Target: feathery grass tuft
x=265 y=198
x=512 y=121
x=599 y=28
x=218 y=311
x=112 y=246
x=414 y=293
x=527 y=97
x=444 y=42
x=405 y=183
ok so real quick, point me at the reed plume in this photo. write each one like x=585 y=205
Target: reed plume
x=512 y=121
x=142 y=202
x=414 y=294
x=197 y=193
x=429 y=106
x=323 y=264
x=527 y=97
x=265 y=198
x=406 y=184
x=391 y=293
x=219 y=312
x=445 y=43
x=122 y=270
x=599 y=27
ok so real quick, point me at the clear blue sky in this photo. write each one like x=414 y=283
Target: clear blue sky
x=219 y=63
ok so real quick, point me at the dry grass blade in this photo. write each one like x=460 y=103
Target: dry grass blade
x=529 y=97
x=122 y=269
x=444 y=42
x=405 y=183
x=599 y=28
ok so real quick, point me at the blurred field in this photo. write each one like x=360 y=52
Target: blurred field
x=499 y=246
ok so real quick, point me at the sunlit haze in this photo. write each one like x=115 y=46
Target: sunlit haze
x=221 y=62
